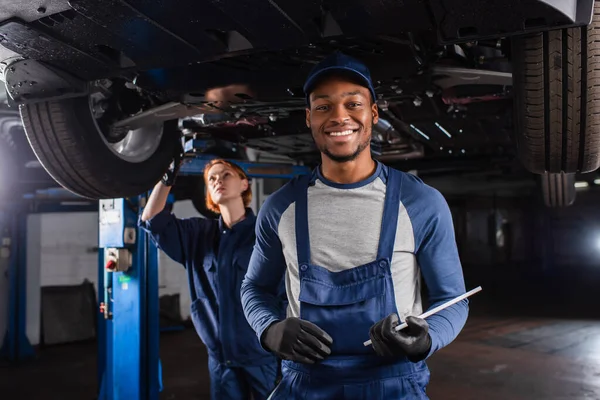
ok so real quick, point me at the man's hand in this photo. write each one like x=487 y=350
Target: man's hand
x=170 y=175
x=413 y=341
x=297 y=340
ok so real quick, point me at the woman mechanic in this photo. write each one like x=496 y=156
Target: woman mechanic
x=216 y=254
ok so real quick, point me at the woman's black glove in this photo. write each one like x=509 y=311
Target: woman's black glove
x=170 y=175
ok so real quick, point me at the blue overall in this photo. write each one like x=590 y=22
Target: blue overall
x=216 y=258
x=346 y=304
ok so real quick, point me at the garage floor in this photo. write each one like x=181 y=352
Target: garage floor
x=494 y=358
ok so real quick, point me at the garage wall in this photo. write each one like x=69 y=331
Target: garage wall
x=60 y=251
x=69 y=248
x=543 y=246
x=495 y=231
x=574 y=233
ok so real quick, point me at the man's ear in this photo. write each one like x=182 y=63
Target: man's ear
x=307 y=117
x=375 y=111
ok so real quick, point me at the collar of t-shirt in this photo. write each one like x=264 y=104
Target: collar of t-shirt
x=318 y=175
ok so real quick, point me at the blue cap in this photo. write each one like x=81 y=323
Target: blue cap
x=339 y=62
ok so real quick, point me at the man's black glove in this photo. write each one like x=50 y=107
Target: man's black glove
x=297 y=340
x=170 y=175
x=413 y=341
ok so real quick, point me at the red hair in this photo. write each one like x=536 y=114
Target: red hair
x=246 y=195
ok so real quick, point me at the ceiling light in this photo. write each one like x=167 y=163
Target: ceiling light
x=441 y=128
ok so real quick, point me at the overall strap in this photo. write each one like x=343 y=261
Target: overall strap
x=301 y=211
x=389 y=222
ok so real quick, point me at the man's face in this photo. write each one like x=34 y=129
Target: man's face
x=341 y=116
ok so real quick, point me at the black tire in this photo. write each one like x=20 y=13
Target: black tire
x=558 y=190
x=557 y=99
x=67 y=142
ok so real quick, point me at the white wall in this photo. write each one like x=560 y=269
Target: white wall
x=60 y=251
x=68 y=248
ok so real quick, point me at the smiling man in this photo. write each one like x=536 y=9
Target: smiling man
x=354 y=241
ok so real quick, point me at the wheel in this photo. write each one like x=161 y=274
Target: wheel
x=557 y=99
x=67 y=140
x=558 y=189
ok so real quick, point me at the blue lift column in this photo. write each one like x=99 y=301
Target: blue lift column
x=128 y=354
x=15 y=346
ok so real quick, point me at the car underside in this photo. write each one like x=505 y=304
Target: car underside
x=106 y=89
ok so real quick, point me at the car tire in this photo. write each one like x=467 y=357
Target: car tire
x=557 y=99
x=558 y=190
x=69 y=144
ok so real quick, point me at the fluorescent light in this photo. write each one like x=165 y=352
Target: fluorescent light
x=443 y=130
x=581 y=184
x=420 y=132
x=596 y=181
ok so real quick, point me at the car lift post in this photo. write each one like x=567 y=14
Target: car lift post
x=128 y=359
x=13 y=236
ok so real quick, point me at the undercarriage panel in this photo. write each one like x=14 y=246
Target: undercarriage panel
x=94 y=39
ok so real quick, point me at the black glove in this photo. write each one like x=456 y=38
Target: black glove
x=413 y=341
x=169 y=177
x=297 y=340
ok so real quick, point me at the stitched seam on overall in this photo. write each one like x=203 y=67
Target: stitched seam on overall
x=342 y=286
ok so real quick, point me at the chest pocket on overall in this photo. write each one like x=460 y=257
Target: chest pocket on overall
x=203 y=308
x=344 y=304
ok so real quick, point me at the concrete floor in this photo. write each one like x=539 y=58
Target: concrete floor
x=520 y=359
x=494 y=358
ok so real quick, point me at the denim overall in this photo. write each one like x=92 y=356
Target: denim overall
x=346 y=304
x=237 y=363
